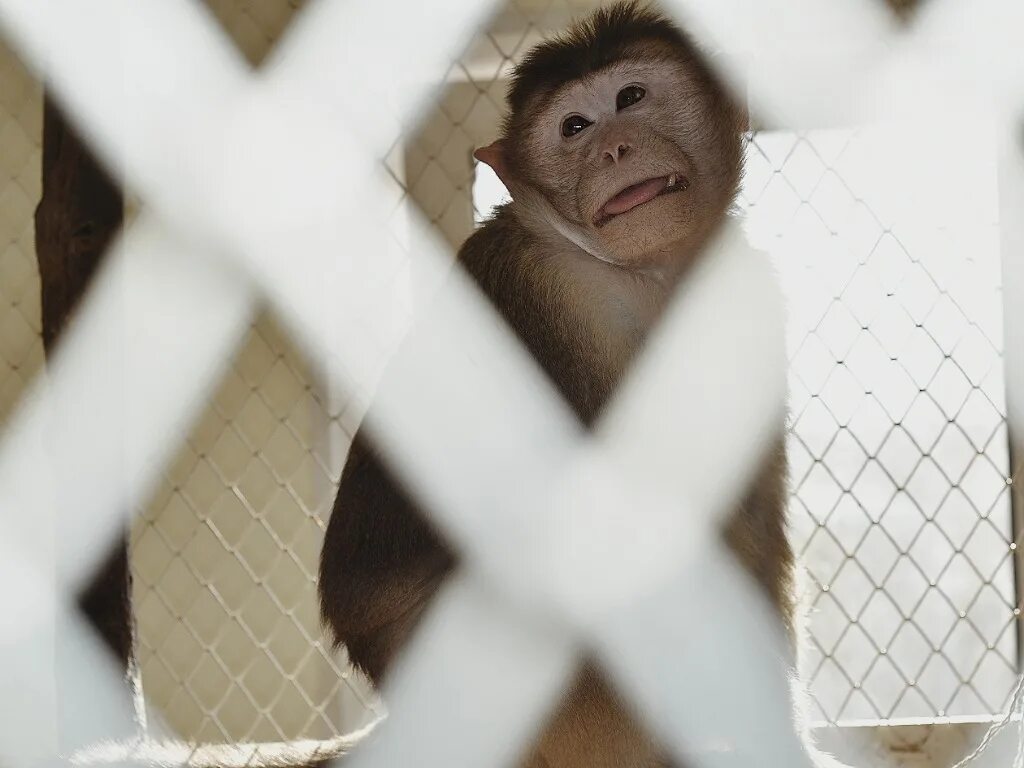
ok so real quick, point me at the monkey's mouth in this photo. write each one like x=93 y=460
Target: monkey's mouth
x=638 y=194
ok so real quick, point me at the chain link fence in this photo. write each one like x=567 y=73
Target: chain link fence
x=21 y=346
x=900 y=509
x=899 y=450
x=224 y=563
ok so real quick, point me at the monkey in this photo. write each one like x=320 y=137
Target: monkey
x=623 y=153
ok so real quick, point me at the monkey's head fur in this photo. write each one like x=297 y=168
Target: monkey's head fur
x=620 y=138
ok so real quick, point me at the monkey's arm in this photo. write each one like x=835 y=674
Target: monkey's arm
x=380 y=564
x=381 y=560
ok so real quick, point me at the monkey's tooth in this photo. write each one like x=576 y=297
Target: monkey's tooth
x=671 y=181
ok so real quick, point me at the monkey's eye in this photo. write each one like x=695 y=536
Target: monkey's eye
x=629 y=96
x=574 y=124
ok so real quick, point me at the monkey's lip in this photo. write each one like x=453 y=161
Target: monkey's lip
x=638 y=194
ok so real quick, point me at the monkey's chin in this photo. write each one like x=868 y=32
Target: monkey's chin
x=650 y=233
x=638 y=195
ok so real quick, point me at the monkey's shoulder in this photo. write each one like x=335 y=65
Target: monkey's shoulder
x=496 y=247
x=554 y=301
x=509 y=263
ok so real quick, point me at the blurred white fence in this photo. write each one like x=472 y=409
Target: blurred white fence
x=239 y=212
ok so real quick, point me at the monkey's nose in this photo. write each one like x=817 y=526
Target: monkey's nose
x=617 y=150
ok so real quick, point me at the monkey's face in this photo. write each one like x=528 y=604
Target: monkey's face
x=641 y=159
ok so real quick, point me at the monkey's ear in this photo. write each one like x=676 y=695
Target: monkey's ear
x=494 y=156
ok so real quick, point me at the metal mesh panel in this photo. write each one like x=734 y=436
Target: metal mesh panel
x=224 y=563
x=899 y=448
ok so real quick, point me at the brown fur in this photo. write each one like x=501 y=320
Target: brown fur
x=584 y=316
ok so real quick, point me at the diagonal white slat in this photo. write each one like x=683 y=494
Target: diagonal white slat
x=85 y=450
x=699 y=357
x=790 y=58
x=142 y=79
x=134 y=370
x=34 y=604
x=696 y=681
x=674 y=665
x=840 y=63
x=402 y=69
x=510 y=671
x=967 y=58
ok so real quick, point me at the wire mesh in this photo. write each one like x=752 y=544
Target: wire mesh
x=21 y=346
x=898 y=447
x=224 y=564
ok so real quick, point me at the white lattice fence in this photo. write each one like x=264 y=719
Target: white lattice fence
x=331 y=297
x=224 y=554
